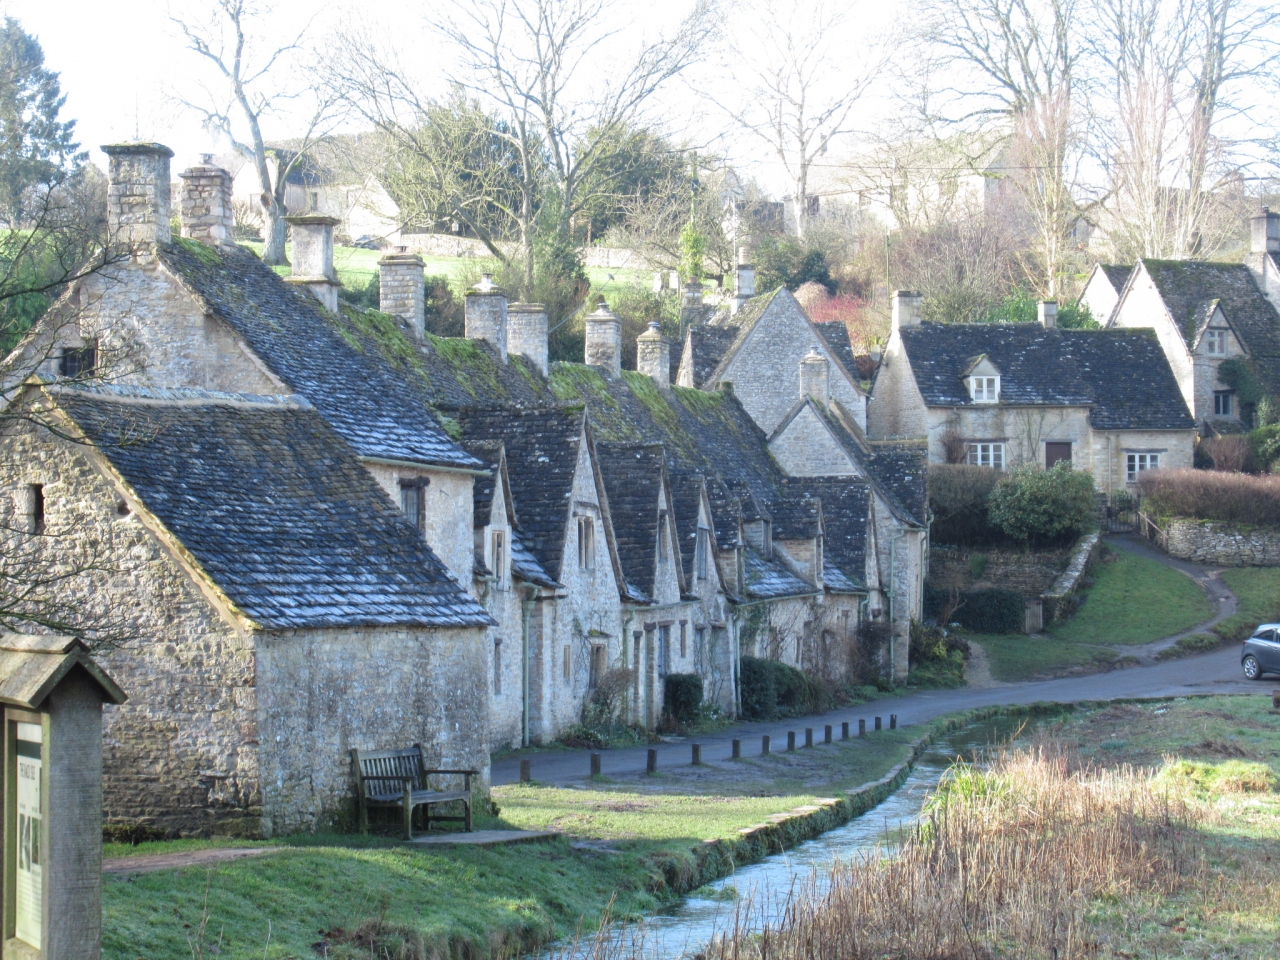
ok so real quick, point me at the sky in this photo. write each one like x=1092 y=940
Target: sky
x=121 y=63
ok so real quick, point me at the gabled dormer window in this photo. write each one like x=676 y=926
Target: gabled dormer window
x=1215 y=342
x=984 y=389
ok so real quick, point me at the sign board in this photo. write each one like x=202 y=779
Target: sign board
x=28 y=875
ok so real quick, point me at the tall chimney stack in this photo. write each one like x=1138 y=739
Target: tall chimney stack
x=906 y=309
x=1048 y=314
x=691 y=304
x=402 y=289
x=604 y=340
x=313 y=258
x=1264 y=232
x=815 y=378
x=653 y=355
x=206 y=203
x=138 y=193
x=744 y=281
x=527 y=333
x=486 y=314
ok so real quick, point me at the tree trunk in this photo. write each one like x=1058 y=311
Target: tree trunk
x=274 y=236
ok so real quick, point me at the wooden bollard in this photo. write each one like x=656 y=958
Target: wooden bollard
x=893 y=721
x=808 y=736
x=651 y=765
x=1275 y=699
x=697 y=755
x=737 y=750
x=595 y=764
x=826 y=733
x=791 y=739
x=878 y=723
x=844 y=730
x=862 y=726
x=764 y=745
x=525 y=774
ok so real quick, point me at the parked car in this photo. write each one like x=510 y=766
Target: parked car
x=367 y=243
x=1261 y=653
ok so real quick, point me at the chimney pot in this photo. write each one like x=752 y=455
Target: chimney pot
x=1048 y=313
x=402 y=289
x=313 y=257
x=653 y=355
x=527 y=333
x=906 y=309
x=206 y=212
x=486 y=314
x=604 y=340
x=1264 y=232
x=138 y=194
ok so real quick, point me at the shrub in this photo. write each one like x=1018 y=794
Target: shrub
x=443 y=310
x=1212 y=495
x=867 y=652
x=1264 y=445
x=771 y=689
x=983 y=611
x=1043 y=507
x=958 y=498
x=682 y=697
x=1231 y=453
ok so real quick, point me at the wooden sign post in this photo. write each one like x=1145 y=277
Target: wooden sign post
x=51 y=883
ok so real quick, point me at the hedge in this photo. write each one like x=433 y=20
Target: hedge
x=682 y=696
x=770 y=689
x=983 y=611
x=1212 y=495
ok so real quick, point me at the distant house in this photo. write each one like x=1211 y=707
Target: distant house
x=1102 y=290
x=1205 y=314
x=998 y=395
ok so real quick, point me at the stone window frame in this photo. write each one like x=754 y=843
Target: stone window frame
x=413 y=501
x=497 y=667
x=1215 y=337
x=985 y=453
x=586 y=543
x=1223 y=403
x=78 y=361
x=33 y=508
x=984 y=389
x=1137 y=462
x=598 y=664
x=497 y=547
x=702 y=554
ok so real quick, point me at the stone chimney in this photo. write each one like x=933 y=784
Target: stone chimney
x=527 y=333
x=1048 y=314
x=1264 y=232
x=604 y=340
x=313 y=258
x=815 y=378
x=402 y=289
x=653 y=355
x=691 y=304
x=744 y=281
x=486 y=314
x=906 y=309
x=206 y=203
x=138 y=193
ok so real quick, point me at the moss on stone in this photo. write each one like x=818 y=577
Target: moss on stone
x=650 y=397
x=202 y=252
x=471 y=365
x=577 y=381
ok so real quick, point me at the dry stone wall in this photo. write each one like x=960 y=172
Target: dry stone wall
x=1203 y=541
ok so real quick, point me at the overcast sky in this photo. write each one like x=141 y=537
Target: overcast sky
x=118 y=60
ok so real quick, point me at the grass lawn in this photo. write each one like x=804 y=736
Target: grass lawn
x=453 y=900
x=1258 y=591
x=1133 y=600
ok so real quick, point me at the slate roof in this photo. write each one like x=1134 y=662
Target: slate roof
x=358 y=391
x=836 y=334
x=274 y=506
x=844 y=521
x=633 y=483
x=1122 y=375
x=705 y=347
x=686 y=501
x=1186 y=286
x=796 y=518
x=1117 y=274
x=542 y=446
x=490 y=454
x=767 y=578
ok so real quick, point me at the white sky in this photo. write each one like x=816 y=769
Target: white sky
x=118 y=60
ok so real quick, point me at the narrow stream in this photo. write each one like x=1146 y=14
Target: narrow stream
x=767 y=886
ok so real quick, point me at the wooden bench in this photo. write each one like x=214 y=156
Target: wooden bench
x=400 y=778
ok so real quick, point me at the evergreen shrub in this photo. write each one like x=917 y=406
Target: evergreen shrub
x=682 y=697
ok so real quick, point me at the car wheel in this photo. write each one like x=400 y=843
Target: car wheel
x=1252 y=669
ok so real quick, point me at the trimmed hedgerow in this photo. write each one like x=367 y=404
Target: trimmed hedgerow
x=771 y=689
x=682 y=697
x=958 y=498
x=982 y=611
x=1044 y=507
x=1212 y=495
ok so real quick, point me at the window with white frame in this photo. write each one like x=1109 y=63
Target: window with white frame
x=1136 y=463
x=984 y=389
x=1215 y=342
x=986 y=455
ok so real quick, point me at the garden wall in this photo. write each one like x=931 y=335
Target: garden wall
x=1030 y=572
x=1207 y=541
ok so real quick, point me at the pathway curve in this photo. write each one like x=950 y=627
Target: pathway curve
x=1215 y=672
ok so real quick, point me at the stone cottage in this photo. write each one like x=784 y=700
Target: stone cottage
x=997 y=395
x=1205 y=314
x=279 y=610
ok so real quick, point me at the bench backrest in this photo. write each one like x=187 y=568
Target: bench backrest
x=376 y=768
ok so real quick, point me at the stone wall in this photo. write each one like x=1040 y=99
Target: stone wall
x=897 y=408
x=1030 y=572
x=1203 y=541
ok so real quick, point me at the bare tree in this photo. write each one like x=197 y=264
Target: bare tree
x=1014 y=62
x=250 y=86
x=552 y=71
x=796 y=86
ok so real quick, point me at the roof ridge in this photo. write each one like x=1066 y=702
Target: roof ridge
x=183 y=396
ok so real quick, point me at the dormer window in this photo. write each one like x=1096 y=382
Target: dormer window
x=78 y=362
x=1215 y=342
x=984 y=389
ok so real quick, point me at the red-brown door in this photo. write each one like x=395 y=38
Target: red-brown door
x=1055 y=452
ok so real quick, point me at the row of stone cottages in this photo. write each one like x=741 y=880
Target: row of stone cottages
x=321 y=528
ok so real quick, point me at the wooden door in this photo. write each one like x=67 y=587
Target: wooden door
x=1055 y=452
